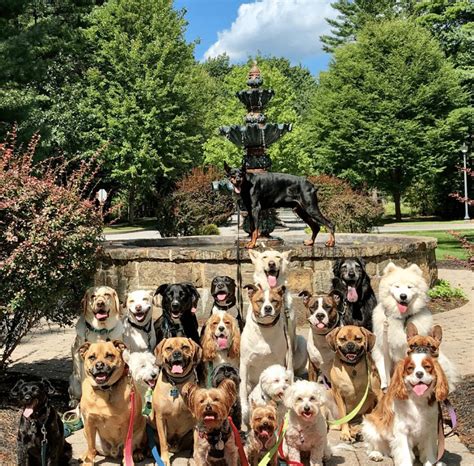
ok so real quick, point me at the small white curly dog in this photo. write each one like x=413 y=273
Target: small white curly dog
x=143 y=369
x=272 y=386
x=307 y=427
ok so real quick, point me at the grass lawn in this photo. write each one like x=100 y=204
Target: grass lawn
x=139 y=225
x=448 y=245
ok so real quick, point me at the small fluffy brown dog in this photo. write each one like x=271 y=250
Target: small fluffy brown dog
x=262 y=436
x=178 y=358
x=214 y=442
x=105 y=402
x=424 y=344
x=352 y=363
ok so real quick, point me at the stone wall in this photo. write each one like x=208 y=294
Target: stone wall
x=146 y=264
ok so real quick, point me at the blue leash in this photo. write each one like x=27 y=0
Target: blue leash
x=152 y=445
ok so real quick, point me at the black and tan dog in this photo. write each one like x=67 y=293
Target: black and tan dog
x=353 y=368
x=39 y=423
x=178 y=358
x=105 y=402
x=261 y=191
x=178 y=318
x=353 y=283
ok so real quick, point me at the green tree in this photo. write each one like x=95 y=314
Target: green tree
x=383 y=113
x=287 y=154
x=142 y=95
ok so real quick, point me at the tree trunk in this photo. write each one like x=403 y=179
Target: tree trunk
x=398 y=208
x=131 y=206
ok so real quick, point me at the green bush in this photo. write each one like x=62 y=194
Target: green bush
x=209 y=230
x=49 y=241
x=444 y=290
x=194 y=206
x=351 y=211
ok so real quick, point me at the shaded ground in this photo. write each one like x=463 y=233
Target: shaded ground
x=462 y=400
x=436 y=305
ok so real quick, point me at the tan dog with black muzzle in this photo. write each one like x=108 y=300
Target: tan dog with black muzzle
x=178 y=358
x=348 y=375
x=105 y=402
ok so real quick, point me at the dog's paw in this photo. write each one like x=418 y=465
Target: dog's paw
x=250 y=245
x=138 y=456
x=87 y=459
x=347 y=437
x=375 y=456
x=330 y=243
x=308 y=242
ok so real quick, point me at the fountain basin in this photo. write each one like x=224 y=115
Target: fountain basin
x=254 y=135
x=145 y=264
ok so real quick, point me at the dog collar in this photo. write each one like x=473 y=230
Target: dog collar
x=101 y=331
x=145 y=328
x=224 y=307
x=271 y=324
x=216 y=438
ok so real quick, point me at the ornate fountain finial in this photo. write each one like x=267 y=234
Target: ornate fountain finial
x=255 y=76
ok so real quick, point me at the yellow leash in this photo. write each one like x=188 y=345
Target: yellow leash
x=272 y=452
x=353 y=413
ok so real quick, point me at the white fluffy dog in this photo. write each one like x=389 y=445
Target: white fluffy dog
x=307 y=428
x=139 y=332
x=402 y=299
x=272 y=386
x=143 y=369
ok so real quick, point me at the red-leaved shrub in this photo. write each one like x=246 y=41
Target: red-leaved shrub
x=50 y=236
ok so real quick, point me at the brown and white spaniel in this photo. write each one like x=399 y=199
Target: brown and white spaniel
x=406 y=420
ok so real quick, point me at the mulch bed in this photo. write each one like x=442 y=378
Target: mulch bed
x=462 y=402
x=437 y=305
x=10 y=413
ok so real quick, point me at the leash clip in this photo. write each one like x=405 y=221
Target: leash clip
x=44 y=432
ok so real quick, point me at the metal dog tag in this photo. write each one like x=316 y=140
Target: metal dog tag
x=220 y=445
x=174 y=392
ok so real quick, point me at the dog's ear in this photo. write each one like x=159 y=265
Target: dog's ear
x=85 y=301
x=208 y=344
x=389 y=268
x=227 y=168
x=230 y=390
x=411 y=330
x=436 y=332
x=197 y=351
x=254 y=255
x=442 y=387
x=188 y=393
x=397 y=385
x=161 y=289
x=415 y=269
x=331 y=338
x=15 y=391
x=120 y=345
x=361 y=261
x=159 y=352
x=287 y=254
x=253 y=405
x=83 y=349
x=288 y=397
x=194 y=293
x=126 y=355
x=116 y=302
x=336 y=268
x=251 y=289
x=48 y=386
x=336 y=295
x=234 y=350
x=306 y=295
x=369 y=339
x=281 y=290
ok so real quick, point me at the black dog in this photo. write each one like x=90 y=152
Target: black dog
x=178 y=319
x=223 y=290
x=227 y=371
x=40 y=424
x=353 y=284
x=260 y=191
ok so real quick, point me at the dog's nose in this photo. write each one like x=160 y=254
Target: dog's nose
x=176 y=354
x=208 y=407
x=352 y=274
x=221 y=328
x=100 y=303
x=272 y=264
x=403 y=297
x=268 y=309
x=174 y=304
x=265 y=424
x=320 y=316
x=138 y=307
x=99 y=365
x=220 y=285
x=306 y=408
x=351 y=346
x=419 y=374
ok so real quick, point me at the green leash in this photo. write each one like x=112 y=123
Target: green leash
x=210 y=368
x=353 y=413
x=44 y=445
x=272 y=452
x=147 y=406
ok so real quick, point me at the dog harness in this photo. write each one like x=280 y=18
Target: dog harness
x=216 y=438
x=145 y=329
x=101 y=331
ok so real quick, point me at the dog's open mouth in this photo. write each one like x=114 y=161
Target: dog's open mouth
x=264 y=434
x=176 y=314
x=177 y=368
x=221 y=297
x=222 y=342
x=402 y=306
x=101 y=377
x=352 y=356
x=420 y=388
x=352 y=295
x=101 y=315
x=272 y=277
x=307 y=414
x=29 y=408
x=210 y=416
x=140 y=316
x=151 y=383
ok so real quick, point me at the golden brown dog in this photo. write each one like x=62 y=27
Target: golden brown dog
x=105 y=402
x=178 y=358
x=424 y=344
x=214 y=442
x=352 y=363
x=262 y=436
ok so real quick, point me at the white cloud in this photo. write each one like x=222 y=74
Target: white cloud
x=288 y=28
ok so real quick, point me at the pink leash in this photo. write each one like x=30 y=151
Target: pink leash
x=128 y=451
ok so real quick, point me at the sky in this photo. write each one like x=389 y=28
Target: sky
x=282 y=28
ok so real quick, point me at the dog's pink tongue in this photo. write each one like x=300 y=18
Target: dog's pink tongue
x=264 y=433
x=352 y=295
x=320 y=325
x=420 y=389
x=237 y=190
x=402 y=307
x=221 y=296
x=177 y=369
x=27 y=412
x=101 y=315
x=222 y=342
x=272 y=281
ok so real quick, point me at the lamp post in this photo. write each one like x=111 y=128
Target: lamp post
x=464 y=150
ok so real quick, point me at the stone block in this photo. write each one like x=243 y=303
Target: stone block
x=322 y=282
x=211 y=270
x=188 y=272
x=300 y=279
x=154 y=273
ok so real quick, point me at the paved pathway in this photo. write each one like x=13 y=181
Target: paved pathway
x=47 y=352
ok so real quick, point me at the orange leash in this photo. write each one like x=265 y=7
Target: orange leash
x=128 y=450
